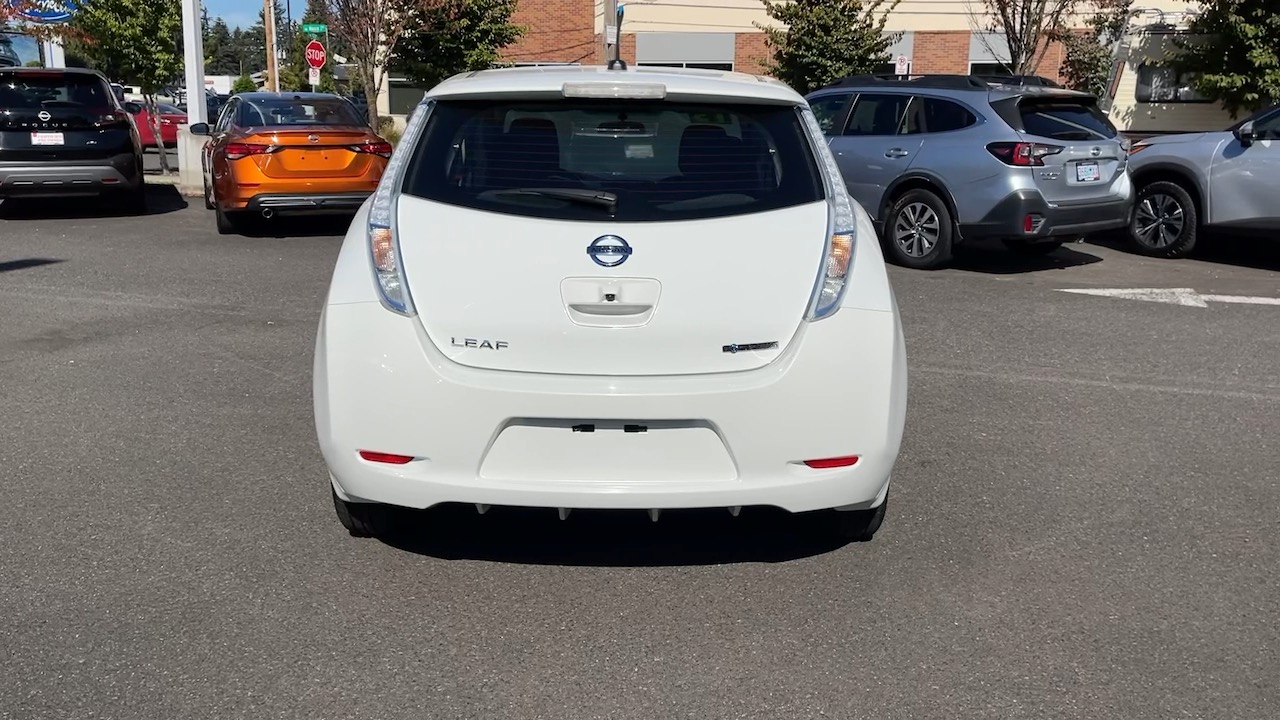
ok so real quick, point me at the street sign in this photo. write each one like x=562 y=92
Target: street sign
x=313 y=76
x=611 y=34
x=315 y=54
x=902 y=65
x=315 y=28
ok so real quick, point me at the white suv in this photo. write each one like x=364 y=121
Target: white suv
x=582 y=287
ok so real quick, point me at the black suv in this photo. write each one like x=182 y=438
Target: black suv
x=63 y=133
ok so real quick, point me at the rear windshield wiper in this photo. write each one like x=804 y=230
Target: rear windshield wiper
x=580 y=195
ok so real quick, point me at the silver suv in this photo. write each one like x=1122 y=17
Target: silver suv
x=940 y=160
x=1224 y=180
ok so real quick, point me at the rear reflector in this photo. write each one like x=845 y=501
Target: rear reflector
x=382 y=457
x=835 y=462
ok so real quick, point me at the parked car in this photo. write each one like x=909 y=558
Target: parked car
x=639 y=290
x=940 y=160
x=1225 y=180
x=170 y=118
x=64 y=134
x=288 y=153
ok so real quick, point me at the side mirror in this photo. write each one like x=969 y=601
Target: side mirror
x=1245 y=133
x=132 y=108
x=199 y=129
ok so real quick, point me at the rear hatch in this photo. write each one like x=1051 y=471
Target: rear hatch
x=55 y=116
x=625 y=238
x=1081 y=152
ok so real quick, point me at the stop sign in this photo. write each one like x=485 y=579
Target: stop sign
x=315 y=54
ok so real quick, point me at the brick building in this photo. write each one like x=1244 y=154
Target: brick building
x=937 y=36
x=724 y=34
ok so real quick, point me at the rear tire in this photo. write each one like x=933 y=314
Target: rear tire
x=1032 y=249
x=918 y=231
x=363 y=519
x=1164 y=222
x=856 y=525
x=230 y=222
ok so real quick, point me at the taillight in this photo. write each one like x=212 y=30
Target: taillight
x=381 y=232
x=235 y=151
x=842 y=223
x=375 y=148
x=1138 y=147
x=1022 y=154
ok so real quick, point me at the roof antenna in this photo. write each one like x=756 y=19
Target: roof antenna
x=617 y=43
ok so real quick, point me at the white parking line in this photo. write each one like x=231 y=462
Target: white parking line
x=1172 y=296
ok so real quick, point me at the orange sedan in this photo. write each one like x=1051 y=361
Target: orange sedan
x=291 y=153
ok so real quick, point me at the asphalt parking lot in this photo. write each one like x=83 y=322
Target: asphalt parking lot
x=1083 y=522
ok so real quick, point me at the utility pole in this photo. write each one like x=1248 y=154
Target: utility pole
x=269 y=30
x=611 y=28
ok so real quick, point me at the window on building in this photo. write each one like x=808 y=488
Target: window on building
x=1159 y=84
x=988 y=68
x=891 y=69
x=723 y=67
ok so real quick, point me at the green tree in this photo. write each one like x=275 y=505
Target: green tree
x=139 y=38
x=1233 y=54
x=455 y=36
x=1086 y=63
x=822 y=40
x=1025 y=29
x=220 y=54
x=243 y=84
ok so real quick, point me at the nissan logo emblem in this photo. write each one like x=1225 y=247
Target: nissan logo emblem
x=44 y=116
x=313 y=138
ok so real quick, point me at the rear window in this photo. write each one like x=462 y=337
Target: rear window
x=36 y=90
x=276 y=112
x=1065 y=120
x=632 y=161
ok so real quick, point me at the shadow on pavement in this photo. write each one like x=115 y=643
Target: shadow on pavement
x=996 y=259
x=161 y=199
x=1252 y=251
x=23 y=264
x=598 y=538
x=296 y=226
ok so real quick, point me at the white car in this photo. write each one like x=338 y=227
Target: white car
x=585 y=288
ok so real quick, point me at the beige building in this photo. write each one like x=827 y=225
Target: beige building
x=937 y=36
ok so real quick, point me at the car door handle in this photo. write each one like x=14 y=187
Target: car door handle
x=896 y=153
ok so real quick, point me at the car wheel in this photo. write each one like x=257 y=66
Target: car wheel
x=918 y=231
x=856 y=525
x=1164 y=222
x=1033 y=249
x=362 y=519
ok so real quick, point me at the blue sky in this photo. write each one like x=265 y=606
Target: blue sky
x=244 y=13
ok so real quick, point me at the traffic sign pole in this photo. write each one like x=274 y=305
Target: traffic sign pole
x=316 y=57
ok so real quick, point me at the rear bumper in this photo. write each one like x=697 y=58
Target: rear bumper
x=346 y=202
x=505 y=438
x=1008 y=219
x=70 y=178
